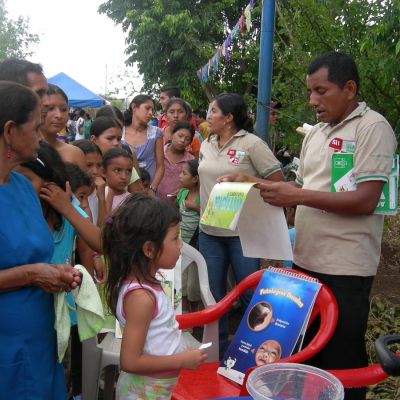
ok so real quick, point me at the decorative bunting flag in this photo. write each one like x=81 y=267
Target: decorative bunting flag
x=242 y=26
x=247 y=18
x=227 y=45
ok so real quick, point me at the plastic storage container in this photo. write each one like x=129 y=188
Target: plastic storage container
x=284 y=381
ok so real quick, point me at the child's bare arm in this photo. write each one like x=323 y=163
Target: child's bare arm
x=139 y=308
x=85 y=254
x=100 y=185
x=109 y=201
x=61 y=201
x=92 y=261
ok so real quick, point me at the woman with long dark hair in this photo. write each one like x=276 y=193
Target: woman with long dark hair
x=232 y=149
x=56 y=119
x=146 y=140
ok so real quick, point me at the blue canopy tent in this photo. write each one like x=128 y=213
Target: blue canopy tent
x=78 y=95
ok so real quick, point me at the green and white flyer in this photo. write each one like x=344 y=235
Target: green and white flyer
x=343 y=180
x=261 y=227
x=225 y=204
x=388 y=203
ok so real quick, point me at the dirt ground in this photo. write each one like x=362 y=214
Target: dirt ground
x=387 y=280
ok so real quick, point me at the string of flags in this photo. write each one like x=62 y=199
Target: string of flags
x=242 y=26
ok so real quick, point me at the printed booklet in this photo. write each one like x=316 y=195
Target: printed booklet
x=273 y=324
x=343 y=180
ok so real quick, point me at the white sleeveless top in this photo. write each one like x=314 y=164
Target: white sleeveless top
x=163 y=337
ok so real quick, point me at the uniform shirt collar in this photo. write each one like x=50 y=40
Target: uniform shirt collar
x=242 y=132
x=359 y=111
x=214 y=139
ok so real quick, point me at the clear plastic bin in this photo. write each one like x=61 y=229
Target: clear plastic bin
x=284 y=381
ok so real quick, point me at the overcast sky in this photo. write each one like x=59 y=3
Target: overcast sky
x=76 y=40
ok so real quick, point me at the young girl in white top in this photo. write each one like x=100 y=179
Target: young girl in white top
x=139 y=238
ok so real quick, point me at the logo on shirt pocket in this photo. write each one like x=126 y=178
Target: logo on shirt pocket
x=336 y=144
x=236 y=156
x=349 y=146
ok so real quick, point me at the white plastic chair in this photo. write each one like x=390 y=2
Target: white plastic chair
x=105 y=355
x=210 y=331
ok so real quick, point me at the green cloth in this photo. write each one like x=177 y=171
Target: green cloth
x=109 y=318
x=190 y=218
x=89 y=310
x=86 y=129
x=62 y=323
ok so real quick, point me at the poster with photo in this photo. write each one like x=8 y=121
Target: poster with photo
x=274 y=322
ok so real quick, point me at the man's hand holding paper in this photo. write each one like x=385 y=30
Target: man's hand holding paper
x=262 y=228
x=281 y=194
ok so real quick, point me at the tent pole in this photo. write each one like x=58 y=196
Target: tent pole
x=265 y=69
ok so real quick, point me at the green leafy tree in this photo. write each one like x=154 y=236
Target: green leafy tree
x=15 y=38
x=366 y=29
x=171 y=39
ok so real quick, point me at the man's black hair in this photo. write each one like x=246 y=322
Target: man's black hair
x=17 y=70
x=172 y=91
x=202 y=114
x=341 y=68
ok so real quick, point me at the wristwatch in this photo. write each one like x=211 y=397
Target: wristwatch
x=153 y=189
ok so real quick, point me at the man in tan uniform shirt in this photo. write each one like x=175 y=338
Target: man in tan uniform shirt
x=338 y=238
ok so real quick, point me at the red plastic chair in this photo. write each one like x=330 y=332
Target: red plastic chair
x=389 y=365
x=205 y=383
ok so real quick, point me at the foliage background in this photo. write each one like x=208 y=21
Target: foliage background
x=171 y=39
x=15 y=38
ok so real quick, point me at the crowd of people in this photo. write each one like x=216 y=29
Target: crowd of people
x=118 y=195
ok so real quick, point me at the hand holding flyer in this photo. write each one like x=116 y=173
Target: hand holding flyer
x=262 y=228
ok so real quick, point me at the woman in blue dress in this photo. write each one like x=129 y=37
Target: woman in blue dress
x=28 y=353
